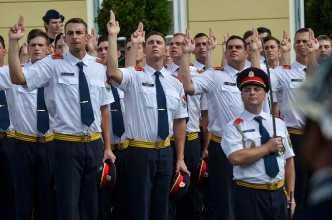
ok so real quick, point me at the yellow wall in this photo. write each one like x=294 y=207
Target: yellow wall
x=34 y=10
x=237 y=16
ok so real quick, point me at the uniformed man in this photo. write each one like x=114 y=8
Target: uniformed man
x=76 y=85
x=263 y=161
x=191 y=205
x=224 y=103
x=325 y=47
x=31 y=163
x=155 y=107
x=53 y=24
x=286 y=83
x=314 y=100
x=7 y=207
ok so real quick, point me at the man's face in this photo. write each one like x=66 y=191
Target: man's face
x=2 y=52
x=301 y=43
x=176 y=47
x=248 y=40
x=155 y=47
x=325 y=48
x=102 y=50
x=37 y=48
x=61 y=47
x=253 y=95
x=235 y=51
x=272 y=50
x=55 y=26
x=201 y=48
x=76 y=37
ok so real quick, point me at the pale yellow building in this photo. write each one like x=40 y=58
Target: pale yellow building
x=223 y=16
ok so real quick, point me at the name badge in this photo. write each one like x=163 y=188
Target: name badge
x=147 y=84
x=229 y=84
x=249 y=130
x=67 y=74
x=297 y=80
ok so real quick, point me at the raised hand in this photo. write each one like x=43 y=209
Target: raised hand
x=139 y=35
x=188 y=44
x=212 y=40
x=17 y=31
x=113 y=27
x=313 y=44
x=255 y=43
x=285 y=44
x=92 y=40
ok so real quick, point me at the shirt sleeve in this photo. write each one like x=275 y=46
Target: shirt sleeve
x=203 y=82
x=181 y=111
x=5 y=82
x=106 y=96
x=39 y=73
x=288 y=146
x=275 y=82
x=232 y=140
x=127 y=78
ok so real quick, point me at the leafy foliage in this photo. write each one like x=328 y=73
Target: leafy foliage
x=318 y=16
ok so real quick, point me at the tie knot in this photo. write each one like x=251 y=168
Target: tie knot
x=258 y=119
x=80 y=64
x=157 y=73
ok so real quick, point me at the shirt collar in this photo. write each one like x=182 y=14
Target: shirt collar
x=198 y=65
x=150 y=70
x=173 y=68
x=231 y=70
x=74 y=60
x=299 y=66
x=250 y=116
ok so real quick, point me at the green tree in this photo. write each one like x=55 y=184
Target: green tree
x=318 y=16
x=154 y=14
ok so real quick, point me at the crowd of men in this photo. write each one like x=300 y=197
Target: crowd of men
x=66 y=107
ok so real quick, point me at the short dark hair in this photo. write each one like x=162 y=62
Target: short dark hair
x=262 y=30
x=179 y=34
x=302 y=30
x=2 y=42
x=155 y=33
x=266 y=39
x=200 y=35
x=37 y=33
x=57 y=38
x=77 y=21
x=323 y=37
x=102 y=39
x=233 y=37
x=247 y=34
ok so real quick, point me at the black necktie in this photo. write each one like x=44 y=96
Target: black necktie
x=43 y=123
x=116 y=114
x=163 y=127
x=4 y=114
x=270 y=161
x=87 y=116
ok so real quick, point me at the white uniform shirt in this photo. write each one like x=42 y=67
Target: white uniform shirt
x=285 y=86
x=200 y=69
x=5 y=84
x=194 y=102
x=234 y=141
x=141 y=116
x=60 y=76
x=22 y=105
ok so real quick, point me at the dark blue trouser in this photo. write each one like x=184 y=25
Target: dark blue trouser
x=31 y=167
x=191 y=205
x=253 y=204
x=148 y=174
x=220 y=201
x=302 y=175
x=76 y=181
x=7 y=206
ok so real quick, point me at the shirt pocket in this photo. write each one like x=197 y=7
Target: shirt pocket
x=23 y=90
x=173 y=100
x=149 y=96
x=296 y=83
x=68 y=80
x=252 y=139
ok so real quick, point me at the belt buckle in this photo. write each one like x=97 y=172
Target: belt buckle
x=272 y=186
x=41 y=139
x=86 y=138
